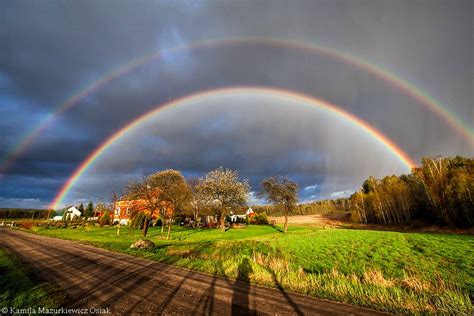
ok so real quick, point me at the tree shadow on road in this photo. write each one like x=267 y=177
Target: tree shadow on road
x=283 y=292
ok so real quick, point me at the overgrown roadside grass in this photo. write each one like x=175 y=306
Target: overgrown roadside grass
x=388 y=271
x=19 y=289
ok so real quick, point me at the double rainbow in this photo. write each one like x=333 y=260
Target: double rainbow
x=291 y=95
x=457 y=124
x=463 y=129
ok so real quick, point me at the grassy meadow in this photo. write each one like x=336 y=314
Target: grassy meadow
x=20 y=289
x=388 y=271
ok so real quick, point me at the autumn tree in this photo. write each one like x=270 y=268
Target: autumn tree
x=438 y=191
x=282 y=192
x=174 y=193
x=144 y=199
x=225 y=191
x=448 y=187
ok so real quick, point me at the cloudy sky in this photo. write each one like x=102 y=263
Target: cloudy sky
x=53 y=50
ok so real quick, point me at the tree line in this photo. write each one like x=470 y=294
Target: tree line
x=17 y=213
x=440 y=191
x=308 y=208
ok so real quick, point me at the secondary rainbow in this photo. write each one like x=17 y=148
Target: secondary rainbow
x=305 y=99
x=462 y=128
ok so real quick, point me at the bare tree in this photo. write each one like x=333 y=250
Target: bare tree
x=281 y=192
x=225 y=190
x=200 y=201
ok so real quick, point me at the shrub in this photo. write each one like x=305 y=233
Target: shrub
x=26 y=224
x=105 y=219
x=159 y=222
x=260 y=219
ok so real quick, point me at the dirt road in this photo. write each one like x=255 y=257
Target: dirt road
x=95 y=278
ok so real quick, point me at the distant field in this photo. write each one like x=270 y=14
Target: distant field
x=19 y=288
x=390 y=271
x=316 y=219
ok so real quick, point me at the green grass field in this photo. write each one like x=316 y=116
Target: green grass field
x=19 y=289
x=389 y=271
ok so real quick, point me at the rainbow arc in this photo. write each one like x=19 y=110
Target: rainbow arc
x=465 y=130
x=304 y=99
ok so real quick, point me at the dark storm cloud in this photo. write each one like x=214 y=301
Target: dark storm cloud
x=357 y=92
x=53 y=49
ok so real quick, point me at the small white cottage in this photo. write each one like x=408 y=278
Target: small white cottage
x=72 y=212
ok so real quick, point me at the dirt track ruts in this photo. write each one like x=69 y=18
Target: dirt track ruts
x=94 y=277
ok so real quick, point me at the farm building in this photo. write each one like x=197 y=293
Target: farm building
x=124 y=210
x=70 y=213
x=234 y=218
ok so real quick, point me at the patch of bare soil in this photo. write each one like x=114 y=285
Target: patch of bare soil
x=332 y=219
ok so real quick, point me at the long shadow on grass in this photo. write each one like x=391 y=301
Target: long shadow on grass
x=278 y=229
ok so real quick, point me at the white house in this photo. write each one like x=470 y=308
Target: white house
x=236 y=217
x=57 y=218
x=72 y=212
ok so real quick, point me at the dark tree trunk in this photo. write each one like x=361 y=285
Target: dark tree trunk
x=169 y=230
x=145 y=227
x=285 y=227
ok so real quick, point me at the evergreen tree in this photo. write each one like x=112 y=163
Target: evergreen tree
x=81 y=209
x=89 y=210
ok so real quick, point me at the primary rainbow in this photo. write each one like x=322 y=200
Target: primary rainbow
x=305 y=99
x=462 y=128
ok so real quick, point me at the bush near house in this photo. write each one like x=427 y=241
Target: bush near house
x=105 y=219
x=259 y=219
